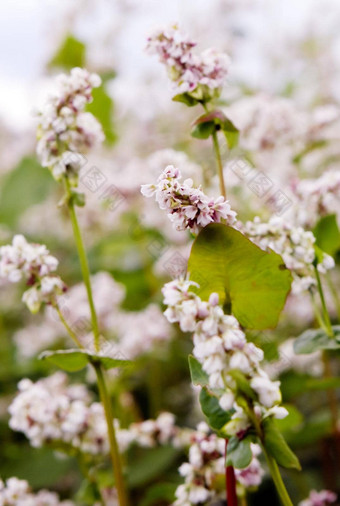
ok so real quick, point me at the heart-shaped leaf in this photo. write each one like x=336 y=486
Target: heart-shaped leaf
x=75 y=360
x=317 y=339
x=252 y=282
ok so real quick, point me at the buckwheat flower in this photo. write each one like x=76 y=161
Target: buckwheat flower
x=200 y=75
x=187 y=207
x=15 y=492
x=294 y=244
x=322 y=498
x=206 y=467
x=221 y=348
x=65 y=130
x=32 y=262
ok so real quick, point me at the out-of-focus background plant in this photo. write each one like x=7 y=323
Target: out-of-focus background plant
x=283 y=95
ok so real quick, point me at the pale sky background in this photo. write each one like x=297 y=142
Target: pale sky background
x=30 y=31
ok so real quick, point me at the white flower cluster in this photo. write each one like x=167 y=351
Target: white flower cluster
x=200 y=75
x=294 y=244
x=187 y=206
x=317 y=198
x=206 y=468
x=322 y=498
x=32 y=262
x=17 y=492
x=221 y=347
x=51 y=411
x=65 y=130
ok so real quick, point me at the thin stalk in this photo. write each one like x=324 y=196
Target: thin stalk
x=83 y=262
x=272 y=465
x=334 y=293
x=317 y=313
x=218 y=158
x=326 y=317
x=114 y=450
x=331 y=395
x=104 y=396
x=277 y=479
x=67 y=327
x=219 y=164
x=230 y=481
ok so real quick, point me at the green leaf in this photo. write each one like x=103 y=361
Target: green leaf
x=239 y=453
x=75 y=360
x=231 y=133
x=26 y=185
x=102 y=108
x=186 y=99
x=317 y=339
x=203 y=130
x=78 y=198
x=277 y=447
x=252 y=282
x=70 y=54
x=207 y=123
x=327 y=234
x=198 y=376
x=216 y=416
x=292 y=420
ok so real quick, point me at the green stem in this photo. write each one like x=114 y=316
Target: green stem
x=67 y=327
x=104 y=397
x=277 y=479
x=219 y=163
x=334 y=293
x=272 y=465
x=326 y=317
x=218 y=158
x=83 y=262
x=114 y=450
x=317 y=313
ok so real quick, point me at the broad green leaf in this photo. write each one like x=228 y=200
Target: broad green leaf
x=239 y=453
x=102 y=108
x=327 y=234
x=186 y=99
x=277 y=447
x=203 y=130
x=198 y=376
x=231 y=133
x=159 y=493
x=26 y=185
x=252 y=282
x=317 y=339
x=70 y=54
x=75 y=360
x=216 y=416
x=147 y=465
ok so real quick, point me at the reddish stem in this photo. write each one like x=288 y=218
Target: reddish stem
x=230 y=482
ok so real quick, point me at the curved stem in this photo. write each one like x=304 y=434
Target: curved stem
x=326 y=317
x=104 y=396
x=67 y=327
x=277 y=479
x=334 y=293
x=83 y=263
x=219 y=164
x=114 y=450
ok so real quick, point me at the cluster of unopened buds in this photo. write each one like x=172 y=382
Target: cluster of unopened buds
x=205 y=470
x=65 y=130
x=187 y=207
x=33 y=263
x=221 y=347
x=200 y=75
x=15 y=492
x=294 y=244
